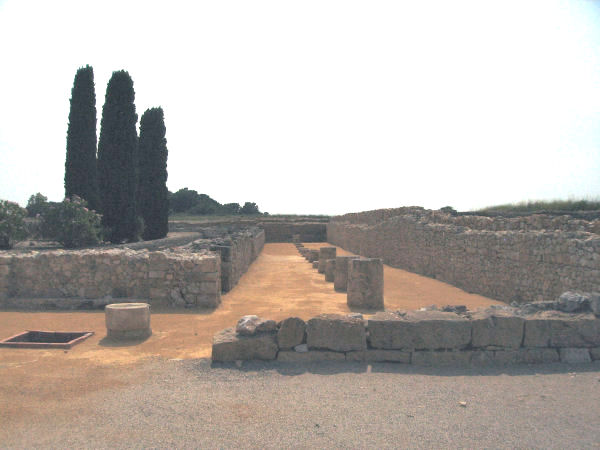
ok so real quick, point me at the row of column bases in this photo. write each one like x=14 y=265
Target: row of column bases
x=361 y=278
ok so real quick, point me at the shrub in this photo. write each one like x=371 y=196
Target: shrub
x=12 y=224
x=72 y=224
x=37 y=204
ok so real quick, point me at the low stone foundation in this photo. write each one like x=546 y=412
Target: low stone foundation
x=494 y=336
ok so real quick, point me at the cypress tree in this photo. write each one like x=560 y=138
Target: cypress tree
x=80 y=164
x=117 y=160
x=153 y=201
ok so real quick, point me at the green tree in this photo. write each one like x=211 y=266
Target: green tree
x=249 y=208
x=80 y=164
x=183 y=200
x=12 y=224
x=36 y=204
x=117 y=160
x=153 y=194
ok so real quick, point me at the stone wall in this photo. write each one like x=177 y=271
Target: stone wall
x=495 y=336
x=191 y=275
x=517 y=259
x=276 y=230
x=93 y=278
x=237 y=249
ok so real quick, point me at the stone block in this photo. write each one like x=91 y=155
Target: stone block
x=595 y=303
x=340 y=278
x=310 y=356
x=595 y=353
x=575 y=355
x=365 y=283
x=375 y=355
x=526 y=356
x=315 y=264
x=557 y=329
x=313 y=255
x=291 y=333
x=497 y=328
x=336 y=332
x=441 y=358
x=419 y=330
x=325 y=253
x=329 y=270
x=229 y=346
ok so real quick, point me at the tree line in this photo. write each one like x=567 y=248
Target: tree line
x=124 y=177
x=188 y=201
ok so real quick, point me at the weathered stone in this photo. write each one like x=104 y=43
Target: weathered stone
x=527 y=356
x=246 y=326
x=365 y=283
x=230 y=346
x=573 y=302
x=313 y=255
x=325 y=253
x=302 y=348
x=315 y=264
x=575 y=355
x=310 y=356
x=595 y=353
x=557 y=329
x=441 y=358
x=595 y=303
x=497 y=328
x=250 y=325
x=375 y=355
x=127 y=320
x=340 y=278
x=330 y=270
x=336 y=332
x=291 y=333
x=419 y=330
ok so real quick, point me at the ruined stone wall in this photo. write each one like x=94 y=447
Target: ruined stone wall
x=518 y=259
x=91 y=278
x=237 y=249
x=492 y=337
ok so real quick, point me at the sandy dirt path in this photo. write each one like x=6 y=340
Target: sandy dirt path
x=279 y=284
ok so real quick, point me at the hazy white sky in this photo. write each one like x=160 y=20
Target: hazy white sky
x=320 y=106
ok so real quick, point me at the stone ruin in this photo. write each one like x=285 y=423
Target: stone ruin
x=453 y=335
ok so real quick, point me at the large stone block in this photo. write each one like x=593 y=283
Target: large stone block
x=365 y=283
x=376 y=355
x=325 y=253
x=419 y=330
x=312 y=356
x=575 y=355
x=291 y=333
x=340 y=277
x=329 y=270
x=313 y=255
x=557 y=329
x=497 y=328
x=336 y=332
x=515 y=356
x=229 y=346
x=443 y=358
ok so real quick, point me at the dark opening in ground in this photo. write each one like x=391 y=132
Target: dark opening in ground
x=46 y=339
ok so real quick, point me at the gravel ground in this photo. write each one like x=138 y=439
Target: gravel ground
x=189 y=404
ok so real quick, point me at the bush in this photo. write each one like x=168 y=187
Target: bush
x=37 y=204
x=72 y=224
x=12 y=224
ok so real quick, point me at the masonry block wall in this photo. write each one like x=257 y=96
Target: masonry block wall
x=521 y=259
x=174 y=278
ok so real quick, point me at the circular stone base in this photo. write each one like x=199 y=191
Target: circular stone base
x=128 y=320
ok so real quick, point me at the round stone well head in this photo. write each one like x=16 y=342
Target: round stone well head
x=128 y=320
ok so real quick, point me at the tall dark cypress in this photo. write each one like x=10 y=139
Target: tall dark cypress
x=153 y=194
x=80 y=164
x=117 y=160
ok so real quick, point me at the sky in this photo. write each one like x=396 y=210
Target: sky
x=320 y=107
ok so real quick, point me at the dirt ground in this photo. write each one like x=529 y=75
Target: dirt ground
x=279 y=284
